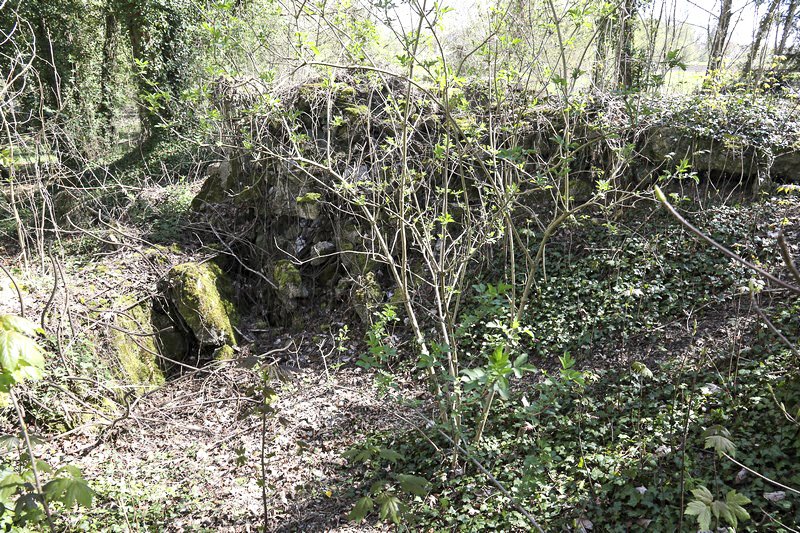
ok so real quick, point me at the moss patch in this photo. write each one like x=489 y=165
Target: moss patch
x=224 y=353
x=309 y=197
x=286 y=275
x=137 y=350
x=308 y=205
x=203 y=296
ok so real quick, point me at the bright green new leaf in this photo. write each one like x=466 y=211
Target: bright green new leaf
x=640 y=370
x=19 y=324
x=701 y=511
x=703 y=494
x=16 y=348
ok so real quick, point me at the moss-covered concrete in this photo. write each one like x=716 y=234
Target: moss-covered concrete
x=134 y=342
x=203 y=297
x=308 y=205
x=287 y=276
x=224 y=353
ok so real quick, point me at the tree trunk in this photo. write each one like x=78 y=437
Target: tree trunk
x=717 y=48
x=105 y=108
x=625 y=52
x=135 y=26
x=599 y=67
x=787 y=27
x=763 y=30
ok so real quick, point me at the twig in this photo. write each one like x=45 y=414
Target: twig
x=773 y=519
x=772 y=327
x=762 y=476
x=19 y=294
x=686 y=224
x=787 y=257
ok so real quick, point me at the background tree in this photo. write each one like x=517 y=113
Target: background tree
x=764 y=28
x=719 y=40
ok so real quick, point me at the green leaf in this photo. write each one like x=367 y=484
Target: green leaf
x=389 y=455
x=9 y=442
x=26 y=372
x=501 y=387
x=473 y=374
x=640 y=370
x=27 y=506
x=721 y=445
x=80 y=492
x=701 y=511
x=9 y=350
x=390 y=507
x=72 y=470
x=694 y=508
x=15 y=348
x=9 y=485
x=735 y=502
x=499 y=357
x=416 y=485
x=363 y=507
x=720 y=509
x=69 y=491
x=703 y=494
x=19 y=324
x=43 y=466
x=736 y=499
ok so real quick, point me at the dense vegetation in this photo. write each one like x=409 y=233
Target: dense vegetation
x=312 y=266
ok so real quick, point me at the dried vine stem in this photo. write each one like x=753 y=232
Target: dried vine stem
x=686 y=224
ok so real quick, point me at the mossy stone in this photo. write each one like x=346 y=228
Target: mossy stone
x=224 y=353
x=288 y=279
x=286 y=274
x=308 y=205
x=203 y=297
x=135 y=345
x=356 y=111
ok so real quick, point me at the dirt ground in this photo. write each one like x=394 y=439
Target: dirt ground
x=188 y=456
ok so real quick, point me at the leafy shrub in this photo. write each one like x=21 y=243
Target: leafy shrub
x=23 y=498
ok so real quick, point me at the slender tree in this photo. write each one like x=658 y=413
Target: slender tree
x=788 y=25
x=105 y=106
x=720 y=38
x=627 y=19
x=763 y=30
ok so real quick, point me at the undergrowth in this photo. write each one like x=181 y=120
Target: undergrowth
x=672 y=374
